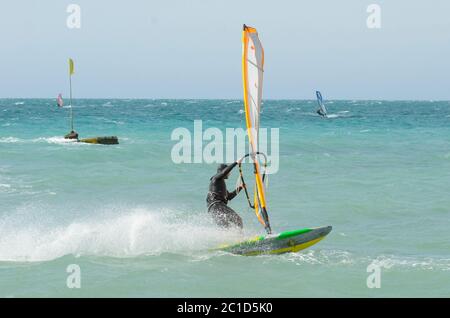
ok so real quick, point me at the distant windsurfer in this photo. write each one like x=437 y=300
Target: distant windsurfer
x=59 y=101
x=218 y=197
x=322 y=111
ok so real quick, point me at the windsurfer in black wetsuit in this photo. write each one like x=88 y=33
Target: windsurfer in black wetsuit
x=321 y=113
x=218 y=197
x=72 y=135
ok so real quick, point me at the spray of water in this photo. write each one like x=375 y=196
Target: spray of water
x=131 y=233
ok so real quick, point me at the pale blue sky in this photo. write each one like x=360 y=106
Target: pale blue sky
x=192 y=49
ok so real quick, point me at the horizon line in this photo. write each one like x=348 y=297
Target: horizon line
x=236 y=99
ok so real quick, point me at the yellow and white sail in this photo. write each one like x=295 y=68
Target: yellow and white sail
x=252 y=76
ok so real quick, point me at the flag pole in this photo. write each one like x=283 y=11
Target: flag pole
x=70 y=84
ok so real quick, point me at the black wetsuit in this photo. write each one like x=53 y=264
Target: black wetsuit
x=218 y=197
x=321 y=113
x=71 y=135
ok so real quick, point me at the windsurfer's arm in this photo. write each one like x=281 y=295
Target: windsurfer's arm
x=231 y=195
x=225 y=171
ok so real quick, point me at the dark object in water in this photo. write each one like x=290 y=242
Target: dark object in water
x=321 y=113
x=71 y=135
x=108 y=140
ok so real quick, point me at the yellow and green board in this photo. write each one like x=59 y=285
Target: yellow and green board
x=285 y=242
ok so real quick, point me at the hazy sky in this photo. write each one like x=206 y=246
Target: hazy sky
x=192 y=48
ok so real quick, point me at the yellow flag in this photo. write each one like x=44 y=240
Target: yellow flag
x=71 y=67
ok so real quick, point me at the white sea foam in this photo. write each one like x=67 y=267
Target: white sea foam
x=54 y=140
x=134 y=233
x=50 y=140
x=425 y=263
x=10 y=140
x=324 y=257
x=117 y=122
x=387 y=262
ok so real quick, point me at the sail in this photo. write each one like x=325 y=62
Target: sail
x=320 y=102
x=59 y=101
x=252 y=75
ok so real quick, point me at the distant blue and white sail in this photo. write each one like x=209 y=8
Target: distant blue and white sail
x=322 y=111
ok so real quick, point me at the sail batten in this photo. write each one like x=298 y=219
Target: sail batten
x=252 y=76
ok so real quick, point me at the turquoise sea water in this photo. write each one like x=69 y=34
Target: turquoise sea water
x=135 y=222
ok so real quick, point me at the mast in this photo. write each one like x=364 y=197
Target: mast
x=71 y=71
x=71 y=110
